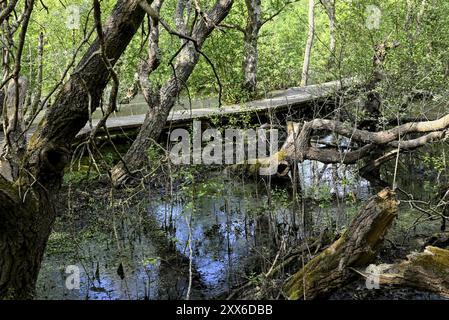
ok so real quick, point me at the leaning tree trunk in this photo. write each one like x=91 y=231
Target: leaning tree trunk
x=309 y=44
x=27 y=212
x=357 y=247
x=136 y=157
x=251 y=55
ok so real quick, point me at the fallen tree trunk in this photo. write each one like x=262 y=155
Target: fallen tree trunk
x=362 y=143
x=357 y=247
x=428 y=271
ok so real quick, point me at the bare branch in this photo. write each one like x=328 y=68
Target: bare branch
x=232 y=26
x=278 y=12
x=7 y=11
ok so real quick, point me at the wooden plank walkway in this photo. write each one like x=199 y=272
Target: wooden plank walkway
x=297 y=96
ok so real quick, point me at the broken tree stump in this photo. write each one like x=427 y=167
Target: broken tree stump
x=427 y=271
x=357 y=247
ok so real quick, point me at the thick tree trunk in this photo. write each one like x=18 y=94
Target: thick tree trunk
x=251 y=55
x=357 y=247
x=374 y=100
x=309 y=45
x=136 y=158
x=26 y=209
x=24 y=231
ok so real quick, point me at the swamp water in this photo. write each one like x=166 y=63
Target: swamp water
x=128 y=253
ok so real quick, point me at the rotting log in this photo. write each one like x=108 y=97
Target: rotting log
x=427 y=270
x=357 y=247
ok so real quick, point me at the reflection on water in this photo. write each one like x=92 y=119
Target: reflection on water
x=229 y=229
x=221 y=238
x=336 y=180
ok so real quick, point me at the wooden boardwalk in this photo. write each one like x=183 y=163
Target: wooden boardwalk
x=297 y=97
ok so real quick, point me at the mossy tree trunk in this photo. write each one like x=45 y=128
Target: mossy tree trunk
x=427 y=270
x=357 y=247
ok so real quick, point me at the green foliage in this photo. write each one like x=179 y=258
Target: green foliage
x=155 y=155
x=321 y=194
x=435 y=162
x=59 y=243
x=78 y=176
x=151 y=261
x=419 y=62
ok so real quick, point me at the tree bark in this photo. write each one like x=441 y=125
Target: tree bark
x=309 y=45
x=2 y=100
x=374 y=100
x=428 y=271
x=251 y=55
x=254 y=23
x=25 y=228
x=27 y=212
x=37 y=97
x=136 y=158
x=298 y=145
x=7 y=9
x=15 y=140
x=357 y=247
x=148 y=66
